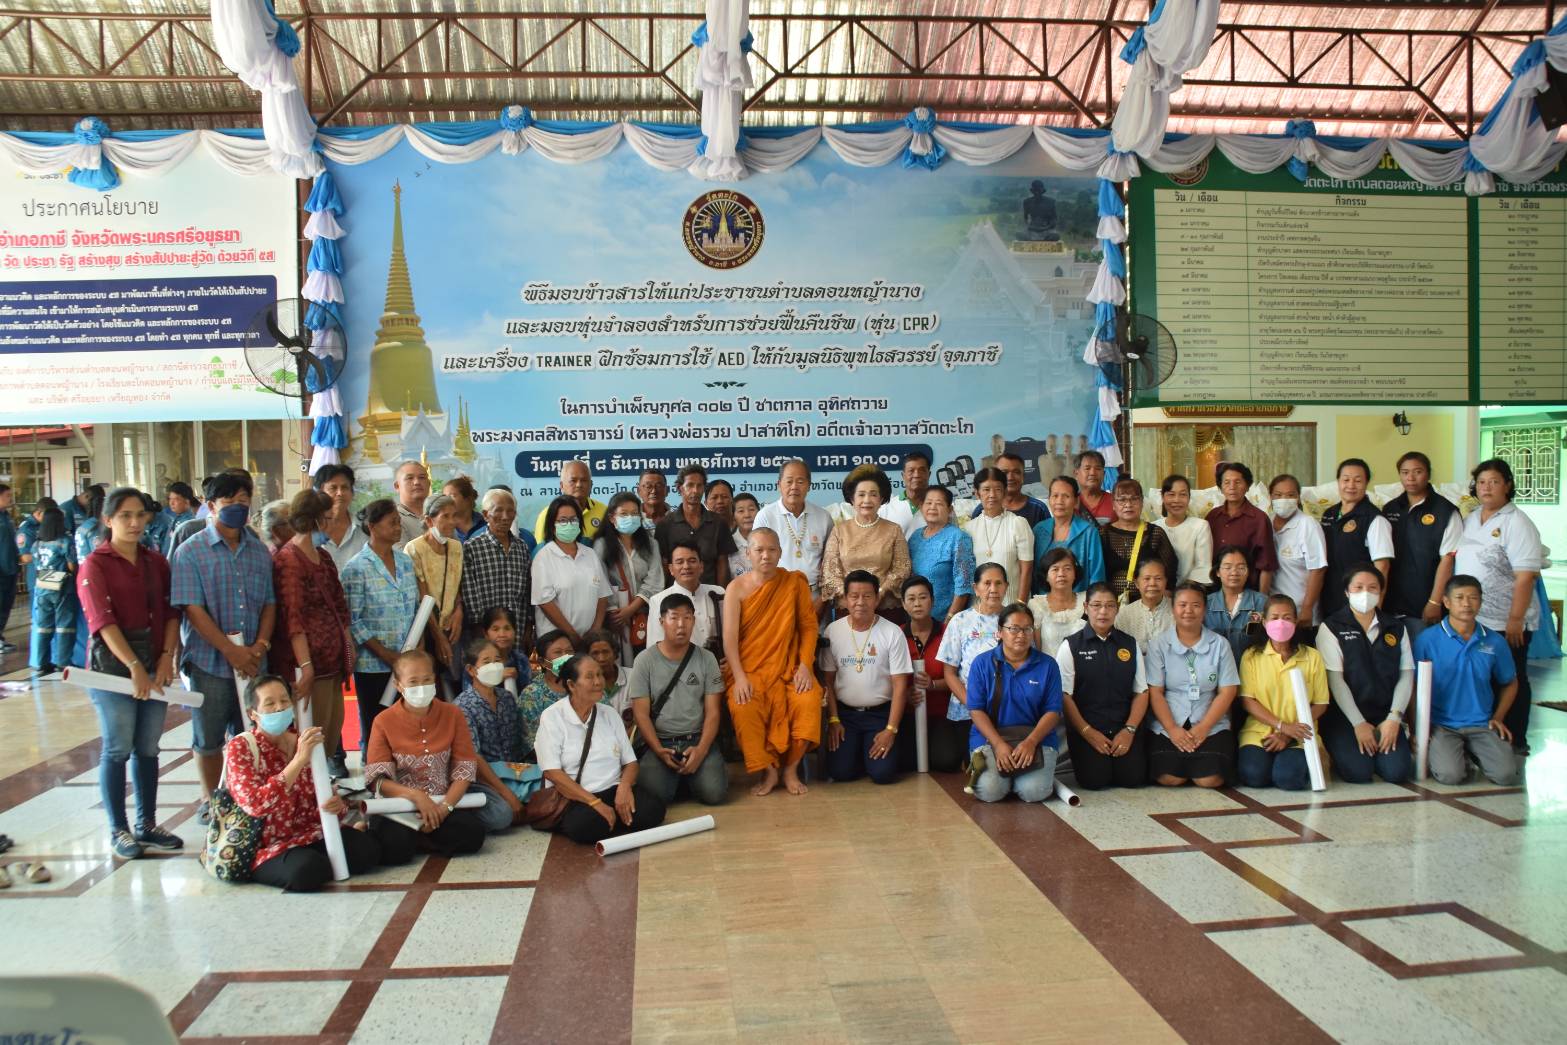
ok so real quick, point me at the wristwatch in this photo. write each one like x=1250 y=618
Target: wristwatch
x=1128 y=728
x=448 y=806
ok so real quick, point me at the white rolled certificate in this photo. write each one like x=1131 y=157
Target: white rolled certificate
x=1422 y=717
x=383 y=806
x=921 y=740
x=661 y=833
x=1067 y=795
x=1319 y=780
x=331 y=829
x=426 y=607
x=171 y=694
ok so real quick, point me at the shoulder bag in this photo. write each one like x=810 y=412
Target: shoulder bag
x=233 y=836
x=101 y=658
x=638 y=744
x=1013 y=735
x=545 y=808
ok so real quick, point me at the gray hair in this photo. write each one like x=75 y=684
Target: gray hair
x=494 y=494
x=435 y=502
x=272 y=514
x=573 y=461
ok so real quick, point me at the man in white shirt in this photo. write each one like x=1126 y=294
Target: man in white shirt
x=865 y=670
x=412 y=483
x=1302 y=550
x=905 y=508
x=684 y=563
x=802 y=527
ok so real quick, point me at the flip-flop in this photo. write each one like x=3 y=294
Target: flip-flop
x=5 y=843
x=37 y=874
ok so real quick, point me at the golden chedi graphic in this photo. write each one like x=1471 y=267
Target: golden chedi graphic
x=402 y=367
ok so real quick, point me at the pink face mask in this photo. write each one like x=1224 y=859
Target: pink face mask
x=1279 y=629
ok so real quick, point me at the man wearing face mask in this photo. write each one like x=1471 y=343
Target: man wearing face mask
x=1301 y=550
x=222 y=580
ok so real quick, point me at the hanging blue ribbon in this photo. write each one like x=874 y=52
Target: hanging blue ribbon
x=324 y=257
x=1110 y=203
x=1474 y=166
x=1135 y=46
x=90 y=130
x=1530 y=57
x=328 y=431
x=1115 y=261
x=516 y=118
x=286 y=40
x=918 y=124
x=323 y=314
x=699 y=39
x=741 y=144
x=1300 y=130
x=323 y=195
x=1104 y=321
x=314 y=384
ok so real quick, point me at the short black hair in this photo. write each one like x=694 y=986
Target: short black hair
x=253 y=691
x=1501 y=468
x=327 y=472
x=1191 y=586
x=1354 y=462
x=229 y=484
x=183 y=489
x=917 y=455
x=917 y=581
x=1415 y=455
x=688 y=543
x=675 y=601
x=1102 y=588
x=746 y=496
x=1232 y=466
x=1462 y=580
x=861 y=577
x=1079 y=458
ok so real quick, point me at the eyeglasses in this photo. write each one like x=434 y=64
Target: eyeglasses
x=1017 y=629
x=1128 y=500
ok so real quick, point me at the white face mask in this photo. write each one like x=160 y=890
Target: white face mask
x=490 y=674
x=419 y=696
x=1362 y=601
x=437 y=536
x=1284 y=507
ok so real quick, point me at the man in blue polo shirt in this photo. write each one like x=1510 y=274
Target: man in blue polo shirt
x=1472 y=686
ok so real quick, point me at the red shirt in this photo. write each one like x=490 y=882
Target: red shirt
x=310 y=602
x=1252 y=530
x=1102 y=512
x=115 y=590
x=292 y=817
x=926 y=656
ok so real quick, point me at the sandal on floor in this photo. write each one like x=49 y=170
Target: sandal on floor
x=35 y=873
x=5 y=879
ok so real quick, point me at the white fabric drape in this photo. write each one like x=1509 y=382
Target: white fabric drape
x=660 y=151
x=867 y=148
x=771 y=155
x=245 y=34
x=723 y=76
x=1175 y=41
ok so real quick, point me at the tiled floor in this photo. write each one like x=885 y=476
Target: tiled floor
x=856 y=913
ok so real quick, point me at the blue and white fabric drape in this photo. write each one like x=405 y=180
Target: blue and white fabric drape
x=723 y=76
x=1174 y=41
x=324 y=290
x=260 y=48
x=1513 y=141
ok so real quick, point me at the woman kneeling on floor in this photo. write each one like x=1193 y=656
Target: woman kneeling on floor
x=1272 y=744
x=420 y=750
x=267 y=770
x=583 y=750
x=1014 y=697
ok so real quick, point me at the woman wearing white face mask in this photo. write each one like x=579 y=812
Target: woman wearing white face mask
x=437 y=558
x=420 y=750
x=496 y=729
x=632 y=569
x=267 y=770
x=1371 y=673
x=1302 y=550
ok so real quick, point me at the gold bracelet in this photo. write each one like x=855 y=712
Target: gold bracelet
x=596 y=802
x=892 y=729
x=835 y=721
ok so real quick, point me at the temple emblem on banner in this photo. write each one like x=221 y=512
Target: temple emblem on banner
x=723 y=230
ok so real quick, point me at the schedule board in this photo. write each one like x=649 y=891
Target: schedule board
x=1374 y=290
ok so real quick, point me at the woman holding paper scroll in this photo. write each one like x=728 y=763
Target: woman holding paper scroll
x=437 y=559
x=1371 y=674
x=124 y=592
x=267 y=770
x=583 y=750
x=1271 y=752
x=383 y=599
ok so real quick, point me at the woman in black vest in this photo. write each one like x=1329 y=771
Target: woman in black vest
x=1426 y=531
x=1371 y=674
x=1356 y=532
x=1105 y=696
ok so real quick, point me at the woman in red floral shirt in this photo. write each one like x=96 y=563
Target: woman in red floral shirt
x=267 y=770
x=312 y=625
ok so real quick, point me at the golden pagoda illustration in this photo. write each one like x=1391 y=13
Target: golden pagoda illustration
x=402 y=367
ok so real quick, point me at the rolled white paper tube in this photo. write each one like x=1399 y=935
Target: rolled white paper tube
x=426 y=607
x=384 y=806
x=241 y=682
x=1319 y=780
x=331 y=830
x=661 y=833
x=1067 y=795
x=1422 y=718
x=171 y=694
x=921 y=740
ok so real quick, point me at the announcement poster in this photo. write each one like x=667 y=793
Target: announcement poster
x=132 y=304
x=511 y=313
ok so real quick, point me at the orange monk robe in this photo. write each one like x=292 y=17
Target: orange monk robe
x=777 y=634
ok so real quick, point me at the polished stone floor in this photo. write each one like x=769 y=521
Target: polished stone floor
x=855 y=913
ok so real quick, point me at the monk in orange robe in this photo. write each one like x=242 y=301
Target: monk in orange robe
x=769 y=648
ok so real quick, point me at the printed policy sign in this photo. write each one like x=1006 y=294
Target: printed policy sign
x=132 y=305
x=510 y=314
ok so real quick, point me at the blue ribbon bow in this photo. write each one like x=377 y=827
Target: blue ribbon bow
x=516 y=118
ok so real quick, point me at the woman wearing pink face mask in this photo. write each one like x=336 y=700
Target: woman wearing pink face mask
x=1272 y=751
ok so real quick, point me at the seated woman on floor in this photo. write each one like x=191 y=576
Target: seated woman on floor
x=495 y=725
x=267 y=770
x=420 y=750
x=499 y=625
x=584 y=751
x=1272 y=744
x=1371 y=674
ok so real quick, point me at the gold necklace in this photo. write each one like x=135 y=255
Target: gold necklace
x=860 y=648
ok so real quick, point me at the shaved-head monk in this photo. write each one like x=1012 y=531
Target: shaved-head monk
x=769 y=647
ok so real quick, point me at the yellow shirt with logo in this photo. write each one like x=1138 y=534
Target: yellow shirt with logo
x=1265 y=679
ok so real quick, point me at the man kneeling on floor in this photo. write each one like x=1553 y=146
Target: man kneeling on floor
x=1472 y=686
x=865 y=670
x=676 y=694
x=1014 y=697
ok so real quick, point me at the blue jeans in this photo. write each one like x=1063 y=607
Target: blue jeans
x=129 y=727
x=1285 y=770
x=852 y=759
x=219 y=718
x=1355 y=767
x=54 y=627
x=495 y=815
x=1034 y=785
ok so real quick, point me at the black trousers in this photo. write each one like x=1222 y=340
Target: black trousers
x=305 y=868
x=460 y=833
x=585 y=824
x=948 y=743
x=1095 y=772
x=1517 y=720
x=368 y=687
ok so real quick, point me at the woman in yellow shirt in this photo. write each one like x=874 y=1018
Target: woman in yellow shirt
x=1272 y=751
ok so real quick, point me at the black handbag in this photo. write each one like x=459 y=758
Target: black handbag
x=1013 y=735
x=101 y=658
x=638 y=744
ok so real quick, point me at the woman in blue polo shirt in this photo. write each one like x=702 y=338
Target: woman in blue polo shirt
x=1014 y=698
x=1192 y=682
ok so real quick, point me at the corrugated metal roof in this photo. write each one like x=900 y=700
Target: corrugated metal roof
x=151 y=62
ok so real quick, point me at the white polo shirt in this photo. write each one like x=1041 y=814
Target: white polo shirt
x=900 y=511
x=575 y=584
x=558 y=745
x=1302 y=547
x=707 y=625
x=801 y=537
x=1492 y=551
x=865 y=661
